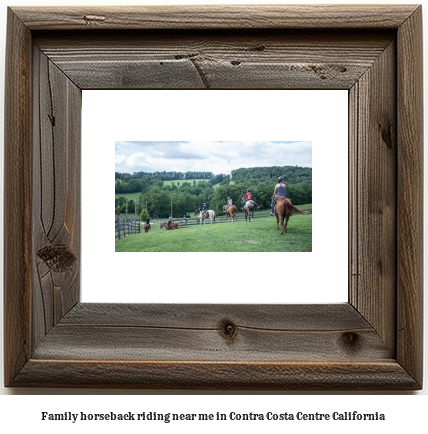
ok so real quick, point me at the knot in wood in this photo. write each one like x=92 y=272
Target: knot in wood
x=227 y=329
x=351 y=340
x=58 y=259
x=94 y=18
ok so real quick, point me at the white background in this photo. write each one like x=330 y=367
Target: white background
x=23 y=412
x=317 y=116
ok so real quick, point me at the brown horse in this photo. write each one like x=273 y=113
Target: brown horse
x=146 y=228
x=283 y=210
x=249 y=208
x=231 y=212
x=173 y=225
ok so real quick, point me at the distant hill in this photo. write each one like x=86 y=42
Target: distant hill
x=291 y=174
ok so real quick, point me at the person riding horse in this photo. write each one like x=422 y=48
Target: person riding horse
x=248 y=197
x=168 y=223
x=278 y=192
x=229 y=202
x=147 y=225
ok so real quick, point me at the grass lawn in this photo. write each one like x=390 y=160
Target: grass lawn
x=258 y=236
x=181 y=181
x=129 y=196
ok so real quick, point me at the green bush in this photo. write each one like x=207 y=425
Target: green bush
x=144 y=214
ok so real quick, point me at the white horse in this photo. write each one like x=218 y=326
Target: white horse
x=207 y=214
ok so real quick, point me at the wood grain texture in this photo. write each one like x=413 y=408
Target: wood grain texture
x=386 y=375
x=17 y=199
x=216 y=59
x=373 y=177
x=56 y=194
x=217 y=17
x=372 y=342
x=410 y=204
x=199 y=332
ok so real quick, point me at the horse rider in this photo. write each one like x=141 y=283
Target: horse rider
x=278 y=192
x=248 y=197
x=148 y=221
x=204 y=208
x=168 y=223
x=229 y=202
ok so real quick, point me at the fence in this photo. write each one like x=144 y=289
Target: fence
x=221 y=218
x=125 y=228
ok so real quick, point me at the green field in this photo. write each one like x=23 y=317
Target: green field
x=129 y=196
x=181 y=181
x=260 y=235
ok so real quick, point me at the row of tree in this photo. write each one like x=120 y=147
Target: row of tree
x=139 y=181
x=189 y=196
x=291 y=174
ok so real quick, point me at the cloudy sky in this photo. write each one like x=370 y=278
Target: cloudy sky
x=216 y=157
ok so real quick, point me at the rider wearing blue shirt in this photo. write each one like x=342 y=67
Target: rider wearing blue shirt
x=278 y=192
x=229 y=202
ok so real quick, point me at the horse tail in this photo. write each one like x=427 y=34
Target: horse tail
x=293 y=209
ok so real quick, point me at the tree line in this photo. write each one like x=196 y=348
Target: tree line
x=291 y=174
x=189 y=195
x=139 y=181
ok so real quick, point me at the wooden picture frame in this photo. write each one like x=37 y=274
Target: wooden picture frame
x=372 y=342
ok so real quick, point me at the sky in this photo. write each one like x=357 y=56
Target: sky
x=214 y=156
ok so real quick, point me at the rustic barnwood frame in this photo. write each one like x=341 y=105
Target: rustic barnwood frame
x=372 y=342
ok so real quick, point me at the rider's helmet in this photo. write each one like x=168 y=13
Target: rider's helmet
x=280 y=179
x=248 y=189
x=228 y=197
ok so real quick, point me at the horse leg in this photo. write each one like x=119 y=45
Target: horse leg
x=286 y=222
x=282 y=225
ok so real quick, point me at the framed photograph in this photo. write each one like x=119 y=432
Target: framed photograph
x=371 y=341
